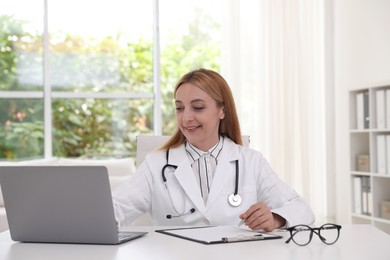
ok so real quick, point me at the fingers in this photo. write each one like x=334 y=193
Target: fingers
x=259 y=216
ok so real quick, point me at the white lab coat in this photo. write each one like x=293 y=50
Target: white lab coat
x=145 y=191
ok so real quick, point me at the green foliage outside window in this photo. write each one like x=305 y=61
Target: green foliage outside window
x=91 y=127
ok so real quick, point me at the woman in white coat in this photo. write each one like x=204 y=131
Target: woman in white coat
x=203 y=175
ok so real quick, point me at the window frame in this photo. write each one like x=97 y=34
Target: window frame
x=47 y=95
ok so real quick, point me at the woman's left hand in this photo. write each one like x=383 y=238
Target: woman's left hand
x=259 y=216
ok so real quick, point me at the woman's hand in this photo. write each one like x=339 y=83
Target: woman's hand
x=259 y=216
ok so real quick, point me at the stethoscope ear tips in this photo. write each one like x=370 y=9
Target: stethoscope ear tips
x=234 y=200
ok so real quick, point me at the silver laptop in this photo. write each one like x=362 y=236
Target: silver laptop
x=60 y=204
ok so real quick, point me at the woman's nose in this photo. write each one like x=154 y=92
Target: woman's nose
x=188 y=115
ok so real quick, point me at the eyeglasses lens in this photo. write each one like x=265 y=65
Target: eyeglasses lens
x=329 y=234
x=301 y=235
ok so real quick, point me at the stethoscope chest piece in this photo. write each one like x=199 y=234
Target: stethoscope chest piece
x=234 y=200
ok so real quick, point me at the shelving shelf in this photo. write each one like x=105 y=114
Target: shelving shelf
x=369 y=134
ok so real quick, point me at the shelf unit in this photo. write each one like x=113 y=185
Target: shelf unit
x=364 y=141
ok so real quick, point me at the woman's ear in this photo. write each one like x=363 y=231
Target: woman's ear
x=222 y=115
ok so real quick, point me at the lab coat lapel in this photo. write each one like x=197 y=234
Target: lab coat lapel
x=225 y=171
x=185 y=176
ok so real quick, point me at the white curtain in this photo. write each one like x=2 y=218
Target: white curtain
x=273 y=58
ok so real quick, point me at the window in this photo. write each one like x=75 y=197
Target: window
x=85 y=81
x=21 y=100
x=92 y=75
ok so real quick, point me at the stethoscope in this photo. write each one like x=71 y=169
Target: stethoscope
x=234 y=199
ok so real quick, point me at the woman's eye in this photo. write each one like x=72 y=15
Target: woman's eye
x=179 y=108
x=198 y=108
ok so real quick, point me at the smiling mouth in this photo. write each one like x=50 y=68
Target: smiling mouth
x=191 y=128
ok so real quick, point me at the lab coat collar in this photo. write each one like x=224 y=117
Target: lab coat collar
x=230 y=152
x=196 y=153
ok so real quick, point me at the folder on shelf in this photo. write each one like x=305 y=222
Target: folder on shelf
x=380 y=109
x=359 y=111
x=217 y=234
x=362 y=110
x=366 y=195
x=357 y=197
x=387 y=94
x=381 y=153
x=387 y=144
x=362 y=198
x=366 y=110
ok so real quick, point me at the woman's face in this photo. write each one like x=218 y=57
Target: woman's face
x=198 y=116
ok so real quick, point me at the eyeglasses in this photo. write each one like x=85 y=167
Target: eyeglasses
x=302 y=234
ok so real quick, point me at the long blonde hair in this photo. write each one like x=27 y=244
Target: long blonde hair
x=217 y=88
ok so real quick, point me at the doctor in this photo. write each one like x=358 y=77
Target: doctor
x=203 y=175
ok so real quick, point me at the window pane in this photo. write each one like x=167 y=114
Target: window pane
x=99 y=127
x=101 y=46
x=192 y=43
x=21 y=128
x=21 y=31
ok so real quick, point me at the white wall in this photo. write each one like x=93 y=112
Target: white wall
x=361 y=58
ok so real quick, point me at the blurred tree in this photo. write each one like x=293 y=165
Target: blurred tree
x=93 y=127
x=185 y=52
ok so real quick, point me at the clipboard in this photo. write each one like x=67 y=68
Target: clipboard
x=217 y=234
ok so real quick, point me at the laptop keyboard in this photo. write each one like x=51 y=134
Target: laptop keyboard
x=126 y=236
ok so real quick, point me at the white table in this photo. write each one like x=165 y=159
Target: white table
x=356 y=242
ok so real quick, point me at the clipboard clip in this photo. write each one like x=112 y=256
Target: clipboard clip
x=242 y=238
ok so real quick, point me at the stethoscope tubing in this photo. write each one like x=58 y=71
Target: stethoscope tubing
x=234 y=199
x=237 y=179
